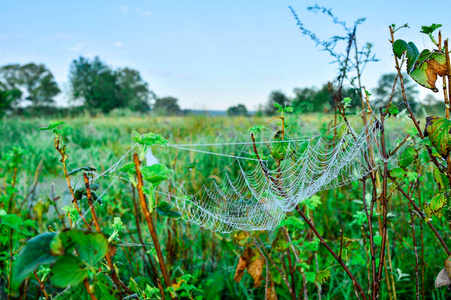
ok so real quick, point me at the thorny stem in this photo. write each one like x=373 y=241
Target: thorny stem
x=109 y=260
x=369 y=215
x=41 y=285
x=37 y=173
x=275 y=266
x=420 y=212
x=383 y=202
x=74 y=200
x=448 y=75
x=153 y=233
x=338 y=259
x=412 y=225
x=138 y=229
x=367 y=258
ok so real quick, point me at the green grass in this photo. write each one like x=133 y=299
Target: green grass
x=210 y=257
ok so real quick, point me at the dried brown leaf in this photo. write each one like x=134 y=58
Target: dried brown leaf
x=255 y=269
x=240 y=270
x=243 y=263
x=272 y=292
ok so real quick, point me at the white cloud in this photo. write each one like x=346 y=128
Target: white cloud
x=124 y=9
x=145 y=13
x=119 y=44
x=77 y=47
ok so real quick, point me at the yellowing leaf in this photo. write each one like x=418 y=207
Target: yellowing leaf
x=441 y=180
x=428 y=67
x=437 y=204
x=439 y=132
x=241 y=238
x=322 y=276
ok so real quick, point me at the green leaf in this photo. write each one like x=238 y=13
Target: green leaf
x=311 y=246
x=412 y=56
x=377 y=240
x=257 y=128
x=68 y=270
x=128 y=168
x=412 y=53
x=105 y=288
x=312 y=202
x=399 y=47
x=149 y=139
x=277 y=105
x=359 y=218
x=279 y=148
x=310 y=276
x=441 y=180
x=439 y=132
x=164 y=209
x=156 y=173
x=393 y=109
x=397 y=173
x=91 y=246
x=75 y=292
x=430 y=29
x=322 y=276
x=52 y=125
x=437 y=204
x=35 y=252
x=279 y=244
x=81 y=169
x=11 y=220
x=407 y=157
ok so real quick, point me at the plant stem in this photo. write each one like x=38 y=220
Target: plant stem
x=285 y=280
x=74 y=200
x=339 y=260
x=448 y=75
x=420 y=212
x=41 y=285
x=97 y=225
x=88 y=289
x=141 y=240
x=148 y=217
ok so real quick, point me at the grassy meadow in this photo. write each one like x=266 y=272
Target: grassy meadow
x=202 y=263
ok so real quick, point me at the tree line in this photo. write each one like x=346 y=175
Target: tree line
x=95 y=86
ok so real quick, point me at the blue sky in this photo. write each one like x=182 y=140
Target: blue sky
x=208 y=54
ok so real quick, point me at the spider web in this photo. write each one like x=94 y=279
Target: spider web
x=243 y=187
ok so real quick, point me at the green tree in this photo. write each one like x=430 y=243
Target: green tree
x=278 y=97
x=167 y=106
x=9 y=76
x=239 y=110
x=102 y=88
x=312 y=99
x=385 y=85
x=34 y=79
x=134 y=89
x=39 y=83
x=8 y=98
